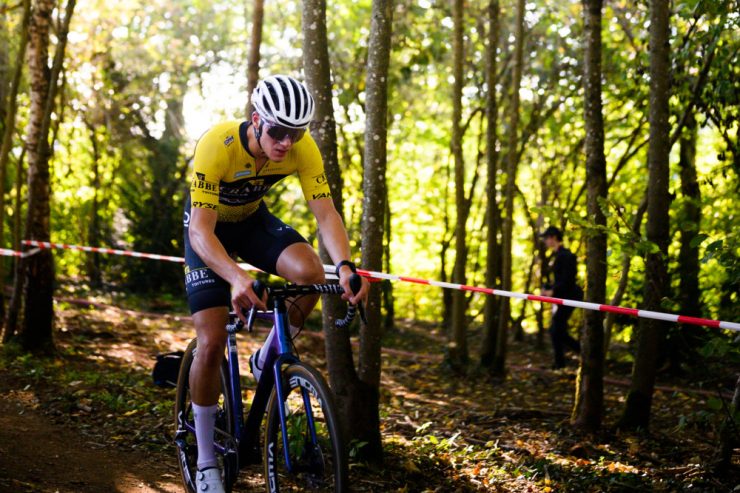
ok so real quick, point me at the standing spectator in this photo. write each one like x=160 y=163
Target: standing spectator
x=564 y=268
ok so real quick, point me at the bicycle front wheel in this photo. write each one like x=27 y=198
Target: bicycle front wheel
x=315 y=448
x=187 y=448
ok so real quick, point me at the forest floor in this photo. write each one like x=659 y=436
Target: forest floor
x=90 y=420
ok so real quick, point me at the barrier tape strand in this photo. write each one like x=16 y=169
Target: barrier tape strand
x=632 y=312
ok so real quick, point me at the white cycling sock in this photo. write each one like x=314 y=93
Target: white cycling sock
x=260 y=364
x=205 y=422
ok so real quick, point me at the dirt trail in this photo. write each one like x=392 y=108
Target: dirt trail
x=37 y=455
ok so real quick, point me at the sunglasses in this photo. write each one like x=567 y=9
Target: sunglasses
x=279 y=133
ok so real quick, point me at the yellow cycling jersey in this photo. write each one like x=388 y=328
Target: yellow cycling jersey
x=225 y=178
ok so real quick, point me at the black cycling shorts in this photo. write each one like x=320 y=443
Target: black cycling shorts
x=258 y=240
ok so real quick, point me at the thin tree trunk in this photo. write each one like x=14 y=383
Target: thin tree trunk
x=457 y=344
x=10 y=110
x=589 y=398
x=625 y=271
x=253 y=58
x=688 y=256
x=93 y=231
x=493 y=217
x=350 y=392
x=499 y=363
x=36 y=331
x=651 y=332
x=387 y=287
x=376 y=195
x=11 y=322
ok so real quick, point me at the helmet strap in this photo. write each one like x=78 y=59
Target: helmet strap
x=258 y=133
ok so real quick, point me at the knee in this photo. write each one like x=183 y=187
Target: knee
x=210 y=351
x=311 y=271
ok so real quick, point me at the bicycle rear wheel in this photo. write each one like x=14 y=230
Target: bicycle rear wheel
x=315 y=446
x=187 y=448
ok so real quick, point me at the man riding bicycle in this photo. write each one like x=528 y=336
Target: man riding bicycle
x=235 y=164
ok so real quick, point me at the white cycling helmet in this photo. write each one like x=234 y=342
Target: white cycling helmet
x=284 y=101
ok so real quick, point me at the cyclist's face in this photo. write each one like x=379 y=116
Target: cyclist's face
x=276 y=141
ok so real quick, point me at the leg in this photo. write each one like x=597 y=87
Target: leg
x=300 y=264
x=557 y=331
x=204 y=374
x=568 y=340
x=204 y=379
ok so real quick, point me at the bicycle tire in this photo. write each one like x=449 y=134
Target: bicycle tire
x=302 y=376
x=187 y=452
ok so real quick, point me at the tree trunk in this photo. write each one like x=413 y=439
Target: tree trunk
x=93 y=230
x=350 y=392
x=652 y=332
x=386 y=286
x=499 y=363
x=625 y=270
x=11 y=321
x=688 y=256
x=253 y=58
x=10 y=110
x=493 y=218
x=36 y=331
x=457 y=344
x=589 y=399
x=376 y=195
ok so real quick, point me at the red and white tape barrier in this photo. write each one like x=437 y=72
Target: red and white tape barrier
x=6 y=252
x=632 y=312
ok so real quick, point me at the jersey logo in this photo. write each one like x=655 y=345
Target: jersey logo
x=201 y=176
x=239 y=174
x=204 y=205
x=323 y=195
x=320 y=179
x=229 y=140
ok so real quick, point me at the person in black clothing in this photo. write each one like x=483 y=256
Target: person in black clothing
x=564 y=270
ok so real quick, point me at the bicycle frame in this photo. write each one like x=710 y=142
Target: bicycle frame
x=278 y=354
x=246 y=432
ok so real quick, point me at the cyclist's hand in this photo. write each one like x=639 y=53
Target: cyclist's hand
x=344 y=276
x=243 y=296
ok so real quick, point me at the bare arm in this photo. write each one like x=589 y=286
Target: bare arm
x=208 y=247
x=336 y=241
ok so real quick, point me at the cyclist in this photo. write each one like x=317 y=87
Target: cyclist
x=235 y=165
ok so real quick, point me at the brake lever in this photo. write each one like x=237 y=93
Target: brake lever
x=355 y=284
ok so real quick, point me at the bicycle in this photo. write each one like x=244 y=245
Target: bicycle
x=303 y=447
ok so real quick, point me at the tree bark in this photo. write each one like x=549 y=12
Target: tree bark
x=36 y=331
x=457 y=343
x=499 y=362
x=93 y=230
x=589 y=398
x=376 y=195
x=253 y=58
x=688 y=256
x=10 y=110
x=652 y=332
x=493 y=217
x=387 y=287
x=350 y=392
x=11 y=321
